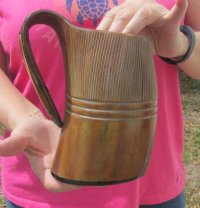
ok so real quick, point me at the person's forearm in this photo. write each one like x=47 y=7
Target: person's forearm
x=13 y=106
x=192 y=65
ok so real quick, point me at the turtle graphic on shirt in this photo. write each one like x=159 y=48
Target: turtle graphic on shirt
x=90 y=9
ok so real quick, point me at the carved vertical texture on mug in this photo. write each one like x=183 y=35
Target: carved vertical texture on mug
x=121 y=73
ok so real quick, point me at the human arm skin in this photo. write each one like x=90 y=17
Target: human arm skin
x=31 y=133
x=10 y=100
x=160 y=26
x=192 y=18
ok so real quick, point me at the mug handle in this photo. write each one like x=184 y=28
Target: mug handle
x=56 y=22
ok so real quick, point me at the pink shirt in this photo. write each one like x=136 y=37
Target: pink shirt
x=165 y=175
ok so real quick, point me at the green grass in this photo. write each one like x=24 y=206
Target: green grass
x=191 y=106
x=2 y=203
x=197 y=138
x=192 y=147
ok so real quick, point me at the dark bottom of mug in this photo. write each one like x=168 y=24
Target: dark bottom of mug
x=91 y=183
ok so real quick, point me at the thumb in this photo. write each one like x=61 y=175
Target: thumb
x=177 y=12
x=13 y=145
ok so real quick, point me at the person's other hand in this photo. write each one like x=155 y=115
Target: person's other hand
x=38 y=138
x=152 y=20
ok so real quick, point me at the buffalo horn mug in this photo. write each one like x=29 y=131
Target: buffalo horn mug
x=111 y=102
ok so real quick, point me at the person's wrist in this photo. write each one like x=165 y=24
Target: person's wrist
x=183 y=47
x=189 y=33
x=32 y=113
x=36 y=114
